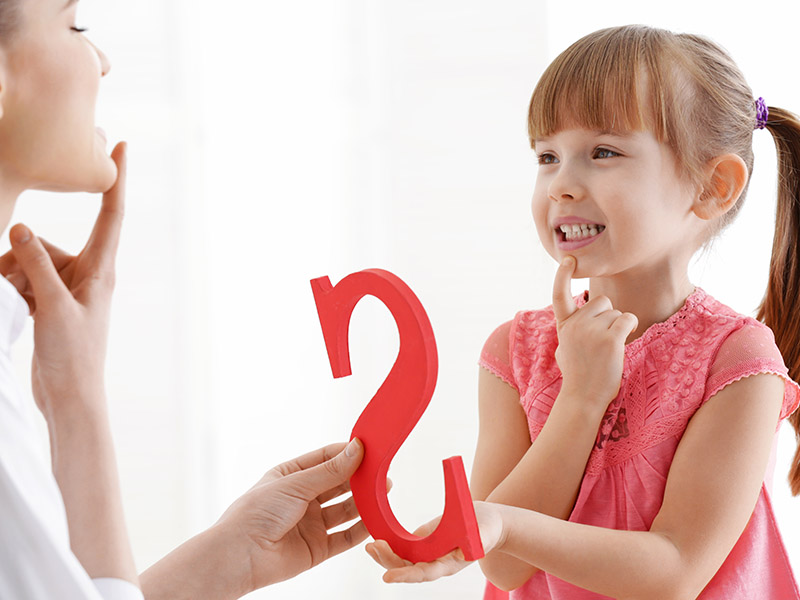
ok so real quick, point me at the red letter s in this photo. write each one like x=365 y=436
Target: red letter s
x=393 y=412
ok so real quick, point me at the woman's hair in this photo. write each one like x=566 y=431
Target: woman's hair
x=9 y=19
x=688 y=91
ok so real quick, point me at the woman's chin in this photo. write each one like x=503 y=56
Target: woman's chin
x=98 y=179
x=105 y=174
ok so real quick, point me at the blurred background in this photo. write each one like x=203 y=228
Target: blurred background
x=274 y=142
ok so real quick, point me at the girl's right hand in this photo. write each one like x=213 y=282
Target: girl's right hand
x=400 y=570
x=591 y=341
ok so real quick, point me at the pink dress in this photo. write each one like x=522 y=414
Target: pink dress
x=668 y=373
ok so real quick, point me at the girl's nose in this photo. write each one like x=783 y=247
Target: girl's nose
x=566 y=186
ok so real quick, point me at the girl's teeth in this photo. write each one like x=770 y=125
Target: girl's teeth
x=577 y=232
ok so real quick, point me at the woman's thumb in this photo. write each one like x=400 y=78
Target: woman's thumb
x=342 y=466
x=35 y=262
x=333 y=472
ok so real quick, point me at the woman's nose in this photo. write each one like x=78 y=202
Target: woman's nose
x=105 y=64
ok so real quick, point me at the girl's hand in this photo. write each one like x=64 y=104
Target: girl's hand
x=591 y=341
x=69 y=298
x=399 y=570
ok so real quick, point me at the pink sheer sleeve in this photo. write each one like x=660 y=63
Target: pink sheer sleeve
x=747 y=351
x=496 y=354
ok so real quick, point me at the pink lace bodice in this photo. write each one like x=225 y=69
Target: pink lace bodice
x=668 y=373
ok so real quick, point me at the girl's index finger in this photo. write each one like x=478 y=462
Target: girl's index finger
x=563 y=304
x=104 y=239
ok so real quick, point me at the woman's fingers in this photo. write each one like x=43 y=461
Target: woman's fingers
x=36 y=264
x=59 y=257
x=8 y=263
x=9 y=267
x=335 y=492
x=101 y=249
x=344 y=540
x=563 y=303
x=18 y=280
x=336 y=514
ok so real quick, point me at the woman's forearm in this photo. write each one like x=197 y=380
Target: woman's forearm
x=546 y=480
x=210 y=566
x=627 y=565
x=85 y=469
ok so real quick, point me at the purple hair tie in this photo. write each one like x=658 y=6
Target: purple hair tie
x=762 y=114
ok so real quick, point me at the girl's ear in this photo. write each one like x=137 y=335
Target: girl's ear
x=727 y=176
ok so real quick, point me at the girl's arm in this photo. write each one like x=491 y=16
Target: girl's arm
x=713 y=485
x=544 y=476
x=547 y=476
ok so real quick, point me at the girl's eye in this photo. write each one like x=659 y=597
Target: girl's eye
x=547 y=159
x=79 y=29
x=599 y=150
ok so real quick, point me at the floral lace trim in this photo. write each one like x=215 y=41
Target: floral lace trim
x=498 y=369
x=534 y=338
x=791 y=395
x=693 y=302
x=639 y=441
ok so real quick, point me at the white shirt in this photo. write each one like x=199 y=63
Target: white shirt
x=36 y=562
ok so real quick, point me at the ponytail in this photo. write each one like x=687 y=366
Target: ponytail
x=780 y=308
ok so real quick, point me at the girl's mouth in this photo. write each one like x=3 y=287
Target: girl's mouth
x=571 y=237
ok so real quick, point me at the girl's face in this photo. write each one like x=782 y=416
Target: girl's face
x=629 y=187
x=49 y=79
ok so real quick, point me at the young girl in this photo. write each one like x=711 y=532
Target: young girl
x=625 y=433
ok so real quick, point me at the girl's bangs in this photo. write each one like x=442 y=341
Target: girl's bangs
x=593 y=85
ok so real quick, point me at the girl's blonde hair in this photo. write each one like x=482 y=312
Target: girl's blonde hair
x=688 y=91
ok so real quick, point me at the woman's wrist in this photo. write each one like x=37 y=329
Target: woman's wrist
x=84 y=467
x=67 y=408
x=214 y=564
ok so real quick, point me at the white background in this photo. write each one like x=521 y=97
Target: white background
x=274 y=142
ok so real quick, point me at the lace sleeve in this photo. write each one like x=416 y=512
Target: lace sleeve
x=496 y=354
x=747 y=351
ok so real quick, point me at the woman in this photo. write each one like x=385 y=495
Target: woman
x=63 y=535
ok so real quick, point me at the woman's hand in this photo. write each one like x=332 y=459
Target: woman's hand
x=591 y=341
x=275 y=531
x=283 y=518
x=399 y=570
x=70 y=299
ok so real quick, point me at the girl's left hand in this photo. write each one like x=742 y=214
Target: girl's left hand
x=399 y=570
x=69 y=298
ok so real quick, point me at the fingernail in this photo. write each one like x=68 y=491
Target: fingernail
x=352 y=448
x=21 y=234
x=567 y=262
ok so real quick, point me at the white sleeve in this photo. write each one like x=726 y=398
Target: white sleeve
x=117 y=589
x=36 y=561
